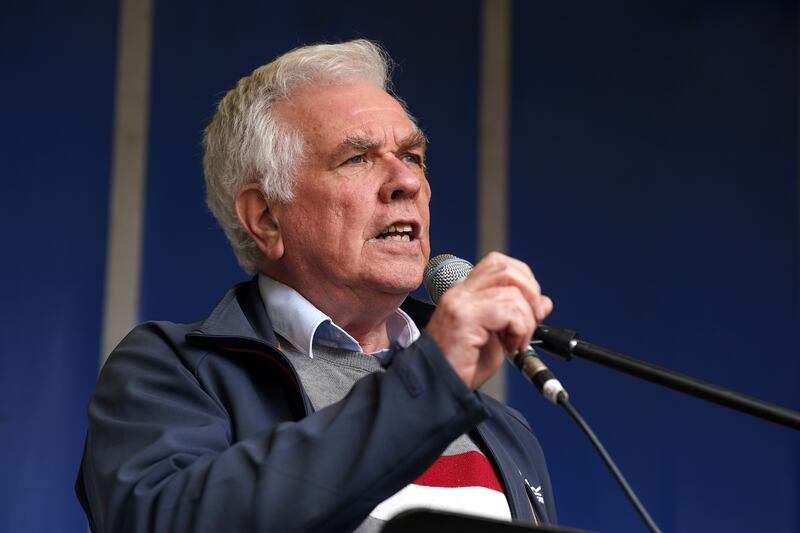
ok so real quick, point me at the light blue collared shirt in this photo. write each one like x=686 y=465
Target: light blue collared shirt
x=298 y=321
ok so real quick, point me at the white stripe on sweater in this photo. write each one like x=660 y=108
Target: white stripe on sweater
x=478 y=501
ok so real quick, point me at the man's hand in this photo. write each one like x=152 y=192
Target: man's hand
x=492 y=313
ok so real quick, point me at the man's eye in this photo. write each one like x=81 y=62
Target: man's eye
x=356 y=160
x=413 y=159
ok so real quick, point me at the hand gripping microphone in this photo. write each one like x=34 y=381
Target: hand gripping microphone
x=445 y=271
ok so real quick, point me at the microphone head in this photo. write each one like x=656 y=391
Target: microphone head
x=442 y=272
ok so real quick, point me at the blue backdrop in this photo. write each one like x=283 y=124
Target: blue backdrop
x=654 y=189
x=55 y=155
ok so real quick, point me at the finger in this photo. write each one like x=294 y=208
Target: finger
x=504 y=311
x=544 y=308
x=523 y=268
x=504 y=273
x=496 y=258
x=542 y=305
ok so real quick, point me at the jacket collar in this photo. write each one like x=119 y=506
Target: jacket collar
x=241 y=314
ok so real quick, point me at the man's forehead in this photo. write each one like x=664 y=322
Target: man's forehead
x=340 y=97
x=334 y=116
x=348 y=98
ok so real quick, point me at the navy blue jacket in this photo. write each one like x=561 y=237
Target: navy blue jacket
x=206 y=427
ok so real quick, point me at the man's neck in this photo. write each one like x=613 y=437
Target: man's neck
x=362 y=316
x=370 y=334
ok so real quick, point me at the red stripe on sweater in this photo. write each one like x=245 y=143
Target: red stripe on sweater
x=468 y=469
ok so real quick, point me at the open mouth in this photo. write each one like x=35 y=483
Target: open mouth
x=399 y=231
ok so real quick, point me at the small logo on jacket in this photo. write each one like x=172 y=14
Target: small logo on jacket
x=537 y=492
x=534 y=492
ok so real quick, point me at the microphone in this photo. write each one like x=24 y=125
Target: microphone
x=445 y=271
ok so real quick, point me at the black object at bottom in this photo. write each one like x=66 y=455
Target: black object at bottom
x=424 y=521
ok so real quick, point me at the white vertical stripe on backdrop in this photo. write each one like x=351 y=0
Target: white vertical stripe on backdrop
x=128 y=165
x=493 y=141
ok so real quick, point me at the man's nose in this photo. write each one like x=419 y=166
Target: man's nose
x=400 y=181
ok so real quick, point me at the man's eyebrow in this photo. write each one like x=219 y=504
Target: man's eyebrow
x=415 y=139
x=358 y=142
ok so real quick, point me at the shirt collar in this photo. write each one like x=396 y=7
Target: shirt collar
x=298 y=321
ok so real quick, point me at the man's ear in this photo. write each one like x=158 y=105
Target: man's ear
x=257 y=216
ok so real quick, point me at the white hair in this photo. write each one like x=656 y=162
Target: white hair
x=247 y=143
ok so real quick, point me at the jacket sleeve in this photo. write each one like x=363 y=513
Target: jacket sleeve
x=161 y=455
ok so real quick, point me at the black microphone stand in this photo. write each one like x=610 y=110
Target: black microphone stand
x=564 y=343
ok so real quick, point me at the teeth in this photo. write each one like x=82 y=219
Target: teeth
x=398 y=228
x=405 y=238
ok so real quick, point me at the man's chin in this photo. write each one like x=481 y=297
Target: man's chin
x=398 y=285
x=398 y=276
x=399 y=289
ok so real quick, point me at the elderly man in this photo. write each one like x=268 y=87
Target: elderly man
x=310 y=400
